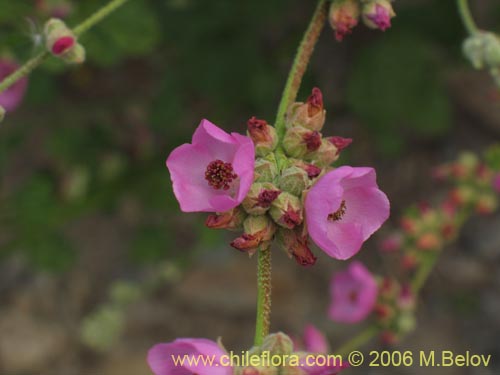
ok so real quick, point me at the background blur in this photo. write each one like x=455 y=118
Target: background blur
x=97 y=263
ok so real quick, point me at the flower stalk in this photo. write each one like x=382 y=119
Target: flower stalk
x=289 y=95
x=467 y=19
x=33 y=63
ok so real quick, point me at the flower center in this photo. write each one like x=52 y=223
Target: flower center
x=220 y=175
x=353 y=296
x=337 y=215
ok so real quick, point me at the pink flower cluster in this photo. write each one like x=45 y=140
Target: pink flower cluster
x=297 y=199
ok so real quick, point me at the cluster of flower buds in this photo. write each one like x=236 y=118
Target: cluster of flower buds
x=425 y=230
x=394 y=310
x=276 y=355
x=62 y=42
x=296 y=198
x=345 y=14
x=482 y=49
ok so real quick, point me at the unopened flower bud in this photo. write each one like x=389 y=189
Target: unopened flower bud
x=311 y=170
x=325 y=155
x=2 y=113
x=409 y=262
x=294 y=180
x=482 y=50
x=384 y=312
x=259 y=232
x=265 y=169
x=260 y=197
x=388 y=288
x=263 y=136
x=429 y=241
x=340 y=143
x=406 y=300
x=406 y=322
x=310 y=114
x=232 y=220
x=299 y=142
x=486 y=204
x=377 y=14
x=343 y=17
x=286 y=210
x=295 y=244
x=277 y=344
x=62 y=42
x=408 y=225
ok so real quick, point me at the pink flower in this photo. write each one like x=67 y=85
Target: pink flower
x=12 y=97
x=343 y=209
x=314 y=340
x=162 y=358
x=496 y=183
x=213 y=173
x=354 y=294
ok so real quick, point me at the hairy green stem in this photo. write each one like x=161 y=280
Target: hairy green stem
x=299 y=65
x=263 y=295
x=292 y=86
x=31 y=64
x=467 y=19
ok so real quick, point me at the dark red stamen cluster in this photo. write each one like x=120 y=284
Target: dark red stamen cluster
x=312 y=140
x=315 y=102
x=337 y=215
x=220 y=175
x=266 y=197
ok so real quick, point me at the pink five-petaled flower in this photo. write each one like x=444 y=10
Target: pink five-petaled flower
x=214 y=172
x=162 y=358
x=12 y=97
x=343 y=209
x=353 y=293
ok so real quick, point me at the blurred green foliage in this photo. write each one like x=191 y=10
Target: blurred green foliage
x=92 y=140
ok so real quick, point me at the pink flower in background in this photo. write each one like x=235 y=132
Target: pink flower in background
x=314 y=340
x=496 y=183
x=160 y=358
x=343 y=209
x=354 y=294
x=214 y=172
x=13 y=96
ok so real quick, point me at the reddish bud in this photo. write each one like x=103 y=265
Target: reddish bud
x=312 y=140
x=231 y=220
x=63 y=44
x=315 y=102
x=340 y=142
x=428 y=241
x=344 y=17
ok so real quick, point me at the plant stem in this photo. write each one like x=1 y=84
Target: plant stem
x=98 y=16
x=357 y=341
x=263 y=295
x=465 y=14
x=292 y=86
x=299 y=65
x=31 y=64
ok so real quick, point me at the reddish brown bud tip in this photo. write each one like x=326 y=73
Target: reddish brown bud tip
x=315 y=102
x=312 y=171
x=227 y=220
x=256 y=126
x=247 y=242
x=340 y=142
x=312 y=140
x=266 y=197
